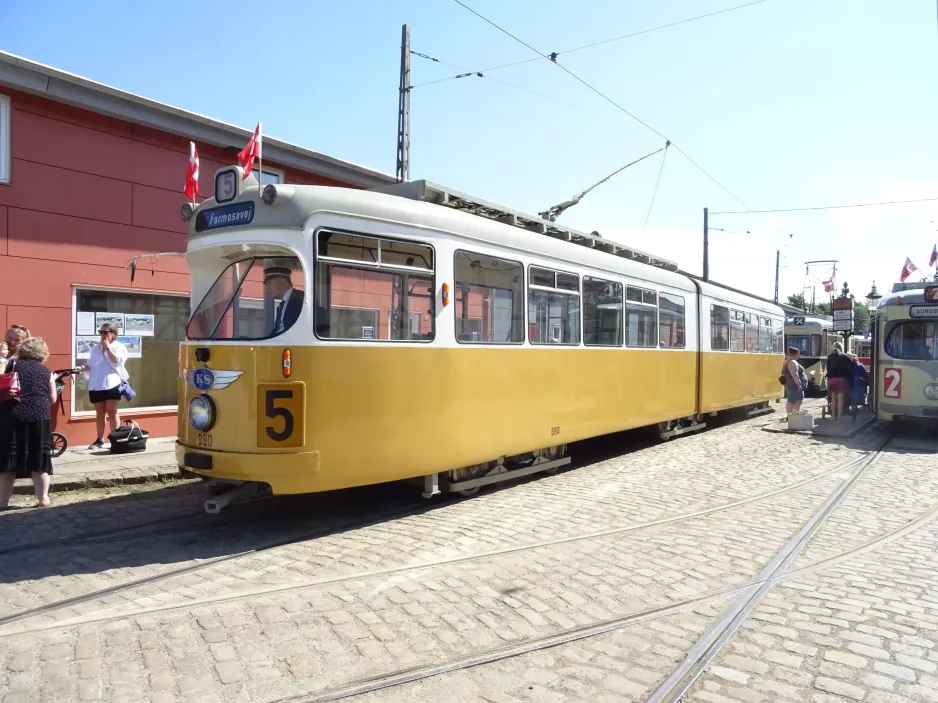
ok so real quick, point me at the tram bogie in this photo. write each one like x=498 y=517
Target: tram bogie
x=341 y=338
x=906 y=353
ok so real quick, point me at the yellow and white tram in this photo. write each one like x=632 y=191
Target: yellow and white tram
x=342 y=338
x=906 y=353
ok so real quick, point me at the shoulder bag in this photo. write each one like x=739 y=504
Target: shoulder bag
x=127 y=393
x=10 y=386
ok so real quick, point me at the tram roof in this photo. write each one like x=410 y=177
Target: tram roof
x=910 y=293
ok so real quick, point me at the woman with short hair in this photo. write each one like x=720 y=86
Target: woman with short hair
x=15 y=336
x=25 y=425
x=106 y=372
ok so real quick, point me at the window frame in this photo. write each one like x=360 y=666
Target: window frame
x=150 y=409
x=377 y=266
x=279 y=171
x=524 y=301
x=555 y=290
x=725 y=325
x=639 y=305
x=6 y=145
x=908 y=322
x=620 y=343
x=683 y=321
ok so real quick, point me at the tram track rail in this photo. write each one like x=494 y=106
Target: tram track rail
x=676 y=685
x=357 y=523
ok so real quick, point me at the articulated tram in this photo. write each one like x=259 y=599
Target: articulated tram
x=906 y=353
x=341 y=337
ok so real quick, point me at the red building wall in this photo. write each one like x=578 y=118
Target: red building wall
x=88 y=192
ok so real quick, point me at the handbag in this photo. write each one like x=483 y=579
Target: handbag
x=10 y=386
x=128 y=438
x=126 y=391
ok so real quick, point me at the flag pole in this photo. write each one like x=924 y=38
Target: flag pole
x=260 y=160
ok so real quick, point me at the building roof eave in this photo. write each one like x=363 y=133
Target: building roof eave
x=38 y=79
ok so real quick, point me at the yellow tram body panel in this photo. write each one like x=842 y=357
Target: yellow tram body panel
x=732 y=380
x=376 y=414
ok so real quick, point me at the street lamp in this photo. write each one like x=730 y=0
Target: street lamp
x=872 y=302
x=873 y=298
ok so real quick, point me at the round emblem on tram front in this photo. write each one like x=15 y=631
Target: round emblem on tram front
x=203 y=379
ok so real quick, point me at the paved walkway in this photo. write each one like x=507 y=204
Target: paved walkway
x=99 y=468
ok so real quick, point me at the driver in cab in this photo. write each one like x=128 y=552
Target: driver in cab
x=278 y=282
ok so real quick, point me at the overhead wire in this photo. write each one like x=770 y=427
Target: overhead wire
x=654 y=193
x=620 y=107
x=553 y=55
x=479 y=74
x=827 y=207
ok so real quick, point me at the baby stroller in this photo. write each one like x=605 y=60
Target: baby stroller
x=59 y=442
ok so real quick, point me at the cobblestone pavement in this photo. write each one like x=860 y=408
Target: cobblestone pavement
x=654 y=543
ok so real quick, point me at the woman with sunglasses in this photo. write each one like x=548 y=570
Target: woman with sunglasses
x=14 y=337
x=105 y=373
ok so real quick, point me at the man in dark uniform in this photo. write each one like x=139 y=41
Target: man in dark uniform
x=277 y=280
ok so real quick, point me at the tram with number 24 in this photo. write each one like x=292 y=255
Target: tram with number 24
x=342 y=337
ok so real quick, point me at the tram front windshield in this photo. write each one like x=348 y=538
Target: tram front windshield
x=234 y=307
x=808 y=345
x=916 y=341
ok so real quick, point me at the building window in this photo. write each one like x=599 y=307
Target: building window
x=373 y=288
x=272 y=176
x=671 y=320
x=6 y=140
x=150 y=325
x=641 y=317
x=719 y=328
x=489 y=296
x=553 y=307
x=602 y=313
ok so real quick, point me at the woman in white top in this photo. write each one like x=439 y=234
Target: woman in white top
x=106 y=372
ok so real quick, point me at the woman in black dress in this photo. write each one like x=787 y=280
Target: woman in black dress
x=25 y=425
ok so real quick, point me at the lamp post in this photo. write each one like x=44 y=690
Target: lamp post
x=872 y=302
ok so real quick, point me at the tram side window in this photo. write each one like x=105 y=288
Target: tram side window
x=719 y=328
x=737 y=331
x=489 y=297
x=779 y=332
x=752 y=333
x=671 y=320
x=602 y=313
x=553 y=307
x=373 y=289
x=641 y=317
x=765 y=335
x=917 y=341
x=816 y=345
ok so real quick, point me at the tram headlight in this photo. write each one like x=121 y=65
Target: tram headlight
x=269 y=194
x=202 y=413
x=931 y=391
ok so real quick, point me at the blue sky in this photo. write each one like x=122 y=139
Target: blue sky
x=787 y=103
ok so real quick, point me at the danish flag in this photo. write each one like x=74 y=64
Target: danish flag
x=828 y=285
x=907 y=270
x=934 y=256
x=192 y=174
x=253 y=150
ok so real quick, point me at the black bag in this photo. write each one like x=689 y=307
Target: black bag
x=128 y=438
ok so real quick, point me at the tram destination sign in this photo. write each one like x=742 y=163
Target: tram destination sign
x=233 y=215
x=923 y=311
